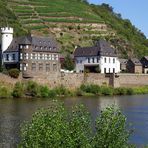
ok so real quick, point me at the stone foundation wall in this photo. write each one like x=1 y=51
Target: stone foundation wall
x=75 y=80
x=130 y=80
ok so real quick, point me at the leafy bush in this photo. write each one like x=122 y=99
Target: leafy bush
x=111 y=129
x=106 y=90
x=52 y=94
x=57 y=127
x=62 y=91
x=18 y=90
x=44 y=91
x=4 y=92
x=32 y=89
x=14 y=73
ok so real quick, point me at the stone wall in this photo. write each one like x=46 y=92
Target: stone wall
x=130 y=80
x=75 y=80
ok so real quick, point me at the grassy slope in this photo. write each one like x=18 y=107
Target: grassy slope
x=7 y=17
x=66 y=20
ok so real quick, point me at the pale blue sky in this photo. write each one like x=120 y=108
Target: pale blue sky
x=134 y=10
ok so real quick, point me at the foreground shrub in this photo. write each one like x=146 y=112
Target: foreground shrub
x=32 y=89
x=56 y=127
x=62 y=91
x=44 y=91
x=4 y=92
x=111 y=130
x=107 y=91
x=14 y=73
x=18 y=90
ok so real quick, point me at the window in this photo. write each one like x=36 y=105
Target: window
x=93 y=60
x=104 y=70
x=47 y=67
x=113 y=70
x=33 y=56
x=104 y=60
x=13 y=57
x=24 y=55
x=88 y=60
x=54 y=67
x=40 y=67
x=109 y=70
x=7 y=57
x=113 y=60
x=33 y=66
x=109 y=60
x=97 y=60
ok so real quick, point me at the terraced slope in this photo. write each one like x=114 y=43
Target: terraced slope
x=74 y=22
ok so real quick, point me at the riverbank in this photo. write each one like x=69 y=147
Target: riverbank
x=34 y=90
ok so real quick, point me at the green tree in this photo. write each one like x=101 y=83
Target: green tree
x=56 y=127
x=68 y=63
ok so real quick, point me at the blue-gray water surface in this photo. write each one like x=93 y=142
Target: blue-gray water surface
x=13 y=112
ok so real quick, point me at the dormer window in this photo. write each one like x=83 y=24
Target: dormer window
x=41 y=47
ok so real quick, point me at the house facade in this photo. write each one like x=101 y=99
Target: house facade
x=144 y=62
x=134 y=66
x=99 y=58
x=33 y=55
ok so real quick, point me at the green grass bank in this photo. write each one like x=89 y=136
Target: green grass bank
x=33 y=90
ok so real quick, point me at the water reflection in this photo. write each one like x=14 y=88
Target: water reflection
x=14 y=112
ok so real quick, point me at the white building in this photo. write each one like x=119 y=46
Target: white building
x=99 y=58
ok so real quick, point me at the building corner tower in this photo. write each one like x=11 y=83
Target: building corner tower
x=6 y=37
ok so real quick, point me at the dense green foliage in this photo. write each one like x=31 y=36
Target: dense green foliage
x=8 y=18
x=32 y=89
x=14 y=73
x=45 y=16
x=68 y=63
x=56 y=127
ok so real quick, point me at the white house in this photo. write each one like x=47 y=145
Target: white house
x=99 y=58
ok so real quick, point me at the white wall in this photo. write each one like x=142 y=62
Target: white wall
x=6 y=37
x=109 y=64
x=81 y=61
x=11 y=57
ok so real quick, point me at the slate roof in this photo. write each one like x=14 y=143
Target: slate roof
x=102 y=48
x=123 y=61
x=144 y=61
x=41 y=44
x=136 y=62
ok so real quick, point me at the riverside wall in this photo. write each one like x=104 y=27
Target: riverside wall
x=74 y=80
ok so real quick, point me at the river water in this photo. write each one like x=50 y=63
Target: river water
x=13 y=112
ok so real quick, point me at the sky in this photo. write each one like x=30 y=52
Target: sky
x=134 y=10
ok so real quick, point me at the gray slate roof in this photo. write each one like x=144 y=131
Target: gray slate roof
x=136 y=61
x=42 y=44
x=102 y=48
x=123 y=61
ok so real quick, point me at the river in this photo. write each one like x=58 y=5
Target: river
x=13 y=112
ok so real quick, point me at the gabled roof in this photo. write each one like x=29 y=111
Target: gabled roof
x=41 y=44
x=102 y=48
x=136 y=62
x=123 y=61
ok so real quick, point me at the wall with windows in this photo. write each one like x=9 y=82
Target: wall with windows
x=12 y=57
x=82 y=61
x=109 y=64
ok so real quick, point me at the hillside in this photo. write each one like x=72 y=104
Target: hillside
x=74 y=22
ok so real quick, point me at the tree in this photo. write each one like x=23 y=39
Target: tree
x=56 y=127
x=68 y=63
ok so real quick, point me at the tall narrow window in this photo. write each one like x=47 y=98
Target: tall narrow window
x=113 y=60
x=97 y=60
x=40 y=66
x=47 y=67
x=109 y=60
x=113 y=70
x=109 y=70
x=104 y=60
x=54 y=67
x=33 y=66
x=93 y=60
x=7 y=57
x=88 y=60
x=104 y=70
x=13 y=57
